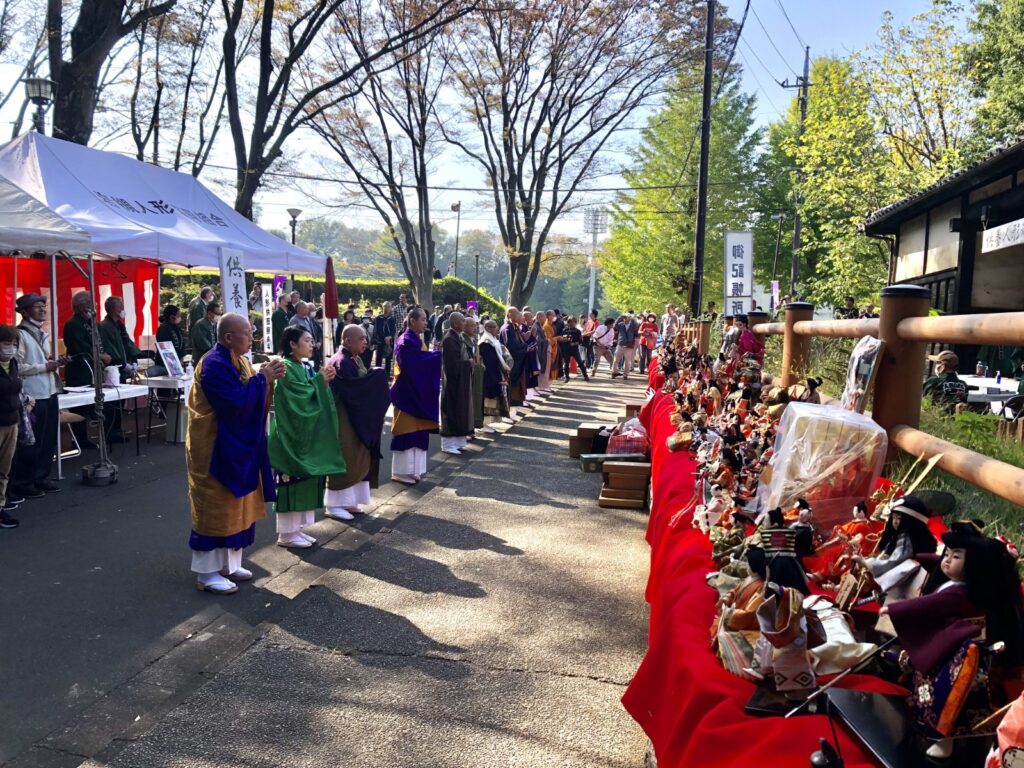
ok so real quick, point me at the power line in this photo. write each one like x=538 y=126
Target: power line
x=763 y=66
x=763 y=90
x=783 y=9
x=785 y=62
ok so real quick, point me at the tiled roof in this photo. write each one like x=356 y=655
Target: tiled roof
x=989 y=158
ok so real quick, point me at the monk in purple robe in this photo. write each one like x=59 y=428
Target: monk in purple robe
x=415 y=396
x=229 y=474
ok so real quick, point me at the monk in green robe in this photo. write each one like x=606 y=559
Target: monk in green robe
x=303 y=441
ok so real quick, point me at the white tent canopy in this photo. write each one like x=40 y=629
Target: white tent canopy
x=28 y=226
x=142 y=211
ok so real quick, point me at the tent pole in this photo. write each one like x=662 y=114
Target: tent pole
x=53 y=341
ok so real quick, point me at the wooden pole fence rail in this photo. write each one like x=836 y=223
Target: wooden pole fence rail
x=905 y=328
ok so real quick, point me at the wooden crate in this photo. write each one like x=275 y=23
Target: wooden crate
x=616 y=467
x=592 y=462
x=607 y=503
x=633 y=482
x=588 y=429
x=623 y=493
x=578 y=445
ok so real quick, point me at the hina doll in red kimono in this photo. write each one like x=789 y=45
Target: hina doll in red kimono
x=946 y=635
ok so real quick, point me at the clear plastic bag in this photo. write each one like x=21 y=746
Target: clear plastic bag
x=826 y=455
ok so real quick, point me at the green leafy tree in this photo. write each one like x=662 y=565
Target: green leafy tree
x=995 y=68
x=848 y=173
x=648 y=259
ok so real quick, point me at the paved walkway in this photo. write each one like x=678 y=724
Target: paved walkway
x=491 y=619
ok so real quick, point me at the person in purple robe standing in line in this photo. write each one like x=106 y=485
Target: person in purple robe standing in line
x=229 y=474
x=416 y=396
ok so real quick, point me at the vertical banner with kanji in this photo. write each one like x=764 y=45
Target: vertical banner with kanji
x=268 y=310
x=232 y=282
x=739 y=272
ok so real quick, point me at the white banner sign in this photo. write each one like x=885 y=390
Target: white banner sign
x=232 y=282
x=1003 y=236
x=268 y=310
x=739 y=272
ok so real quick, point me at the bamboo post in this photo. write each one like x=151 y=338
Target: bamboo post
x=901 y=367
x=796 y=350
x=703 y=336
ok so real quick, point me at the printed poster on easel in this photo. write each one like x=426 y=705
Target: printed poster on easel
x=860 y=374
x=170 y=358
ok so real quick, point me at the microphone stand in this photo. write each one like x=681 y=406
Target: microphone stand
x=104 y=471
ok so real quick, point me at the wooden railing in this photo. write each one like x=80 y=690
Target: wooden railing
x=906 y=329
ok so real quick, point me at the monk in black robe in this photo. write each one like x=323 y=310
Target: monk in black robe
x=456 y=388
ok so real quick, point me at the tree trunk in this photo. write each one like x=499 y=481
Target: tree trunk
x=519 y=273
x=423 y=292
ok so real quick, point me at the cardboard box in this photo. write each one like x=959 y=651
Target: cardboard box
x=592 y=462
x=623 y=493
x=634 y=482
x=619 y=503
x=577 y=445
x=614 y=466
x=632 y=409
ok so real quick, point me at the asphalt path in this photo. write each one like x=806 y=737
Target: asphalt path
x=467 y=597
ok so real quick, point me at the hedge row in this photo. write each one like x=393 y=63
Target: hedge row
x=180 y=287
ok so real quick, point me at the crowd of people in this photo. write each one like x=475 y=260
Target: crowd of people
x=454 y=373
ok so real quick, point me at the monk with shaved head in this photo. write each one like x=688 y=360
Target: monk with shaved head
x=362 y=399
x=229 y=475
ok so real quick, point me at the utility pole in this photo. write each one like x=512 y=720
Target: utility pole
x=801 y=85
x=595 y=221
x=702 y=173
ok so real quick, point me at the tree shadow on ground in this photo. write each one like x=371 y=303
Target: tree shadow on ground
x=452 y=535
x=361 y=631
x=508 y=493
x=419 y=574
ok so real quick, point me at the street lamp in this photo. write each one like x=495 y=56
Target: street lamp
x=39 y=90
x=294 y=213
x=457 y=209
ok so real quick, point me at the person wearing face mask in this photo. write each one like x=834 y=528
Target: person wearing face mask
x=115 y=339
x=32 y=463
x=78 y=342
x=170 y=330
x=10 y=414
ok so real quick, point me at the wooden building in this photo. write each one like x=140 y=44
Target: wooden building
x=963 y=237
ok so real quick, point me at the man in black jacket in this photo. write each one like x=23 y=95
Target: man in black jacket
x=384 y=332
x=569 y=347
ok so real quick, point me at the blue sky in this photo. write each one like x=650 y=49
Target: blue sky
x=837 y=27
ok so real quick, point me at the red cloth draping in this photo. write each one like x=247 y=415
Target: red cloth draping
x=689 y=706
x=655 y=378
x=137 y=282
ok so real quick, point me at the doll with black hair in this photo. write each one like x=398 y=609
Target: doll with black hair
x=785 y=567
x=906 y=536
x=941 y=634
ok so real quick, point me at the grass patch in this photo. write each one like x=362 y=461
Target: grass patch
x=976 y=432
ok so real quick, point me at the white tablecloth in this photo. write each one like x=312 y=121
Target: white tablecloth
x=990 y=391
x=79 y=396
